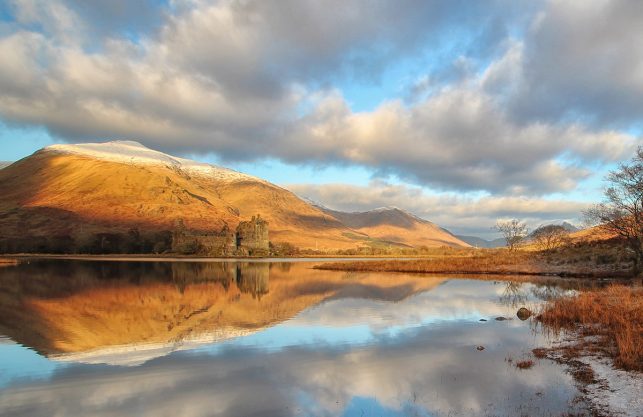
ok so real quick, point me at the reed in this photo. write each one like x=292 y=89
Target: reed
x=497 y=262
x=612 y=317
x=525 y=364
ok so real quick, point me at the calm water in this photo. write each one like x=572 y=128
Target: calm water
x=268 y=339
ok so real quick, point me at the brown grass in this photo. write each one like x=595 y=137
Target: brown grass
x=482 y=262
x=492 y=261
x=525 y=364
x=540 y=353
x=612 y=316
x=582 y=372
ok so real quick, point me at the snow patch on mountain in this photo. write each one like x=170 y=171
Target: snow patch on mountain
x=134 y=153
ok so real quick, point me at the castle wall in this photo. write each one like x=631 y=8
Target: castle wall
x=204 y=244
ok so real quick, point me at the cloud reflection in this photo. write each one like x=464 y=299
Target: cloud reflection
x=418 y=357
x=430 y=370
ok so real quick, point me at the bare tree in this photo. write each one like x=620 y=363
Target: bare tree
x=550 y=237
x=513 y=231
x=621 y=212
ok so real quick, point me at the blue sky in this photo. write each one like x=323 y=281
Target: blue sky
x=460 y=112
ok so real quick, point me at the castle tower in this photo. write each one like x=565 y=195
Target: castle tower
x=252 y=237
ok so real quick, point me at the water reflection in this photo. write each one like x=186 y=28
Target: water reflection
x=67 y=307
x=267 y=339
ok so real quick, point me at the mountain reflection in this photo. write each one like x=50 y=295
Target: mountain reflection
x=269 y=339
x=61 y=307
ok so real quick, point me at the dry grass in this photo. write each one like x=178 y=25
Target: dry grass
x=492 y=261
x=611 y=317
x=525 y=364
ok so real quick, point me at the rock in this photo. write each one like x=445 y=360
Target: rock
x=482 y=320
x=523 y=313
x=480 y=347
x=502 y=318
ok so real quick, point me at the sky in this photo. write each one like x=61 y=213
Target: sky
x=460 y=112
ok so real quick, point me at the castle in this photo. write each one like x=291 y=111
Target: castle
x=250 y=238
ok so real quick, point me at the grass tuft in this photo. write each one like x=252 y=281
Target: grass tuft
x=612 y=318
x=539 y=353
x=525 y=364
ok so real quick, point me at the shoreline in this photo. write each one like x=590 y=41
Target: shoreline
x=610 y=391
x=597 y=337
x=16 y=258
x=420 y=264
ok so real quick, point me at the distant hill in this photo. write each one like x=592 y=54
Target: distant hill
x=500 y=242
x=479 y=242
x=4 y=164
x=398 y=226
x=569 y=227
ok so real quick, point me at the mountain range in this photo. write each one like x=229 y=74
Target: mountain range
x=479 y=242
x=395 y=225
x=69 y=193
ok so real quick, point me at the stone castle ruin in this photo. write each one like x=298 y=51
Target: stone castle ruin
x=250 y=238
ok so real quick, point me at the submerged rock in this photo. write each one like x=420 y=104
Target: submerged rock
x=500 y=318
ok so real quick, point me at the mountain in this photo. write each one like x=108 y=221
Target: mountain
x=569 y=227
x=479 y=242
x=4 y=164
x=82 y=196
x=392 y=225
x=566 y=226
x=71 y=192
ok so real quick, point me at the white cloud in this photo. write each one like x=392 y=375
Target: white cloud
x=250 y=80
x=456 y=139
x=579 y=60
